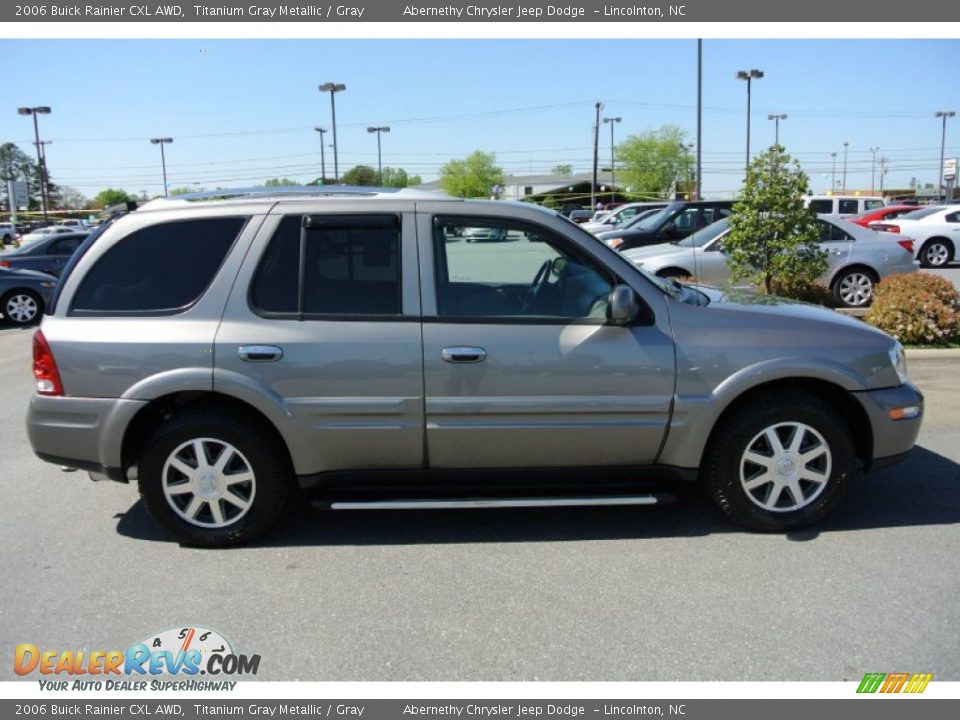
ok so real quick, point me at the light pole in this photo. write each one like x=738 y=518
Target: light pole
x=41 y=160
x=333 y=89
x=613 y=171
x=379 y=131
x=323 y=164
x=873 y=169
x=163 y=159
x=596 y=161
x=776 y=133
x=833 y=173
x=749 y=76
x=944 y=114
x=845 y=146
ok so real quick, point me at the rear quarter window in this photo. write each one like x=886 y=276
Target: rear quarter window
x=160 y=269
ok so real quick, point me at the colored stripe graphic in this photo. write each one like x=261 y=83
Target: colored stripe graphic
x=918 y=682
x=871 y=682
x=894 y=682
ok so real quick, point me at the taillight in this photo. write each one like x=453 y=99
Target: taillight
x=4 y=263
x=906 y=244
x=45 y=367
x=885 y=227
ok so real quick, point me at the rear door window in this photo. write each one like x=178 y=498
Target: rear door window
x=161 y=269
x=330 y=265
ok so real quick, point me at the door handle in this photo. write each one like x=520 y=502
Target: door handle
x=260 y=353
x=461 y=354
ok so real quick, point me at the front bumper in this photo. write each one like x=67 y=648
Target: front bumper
x=892 y=439
x=85 y=433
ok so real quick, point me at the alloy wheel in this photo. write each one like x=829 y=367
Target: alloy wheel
x=785 y=467
x=208 y=483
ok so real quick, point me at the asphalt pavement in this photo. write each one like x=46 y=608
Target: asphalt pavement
x=654 y=594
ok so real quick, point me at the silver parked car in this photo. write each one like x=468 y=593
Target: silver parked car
x=857 y=258
x=320 y=337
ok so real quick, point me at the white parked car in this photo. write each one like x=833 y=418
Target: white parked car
x=857 y=258
x=843 y=205
x=935 y=231
x=620 y=216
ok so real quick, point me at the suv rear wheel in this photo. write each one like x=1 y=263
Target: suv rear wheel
x=780 y=462
x=212 y=480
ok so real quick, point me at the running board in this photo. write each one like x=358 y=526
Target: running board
x=499 y=503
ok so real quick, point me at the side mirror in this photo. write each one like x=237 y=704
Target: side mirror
x=622 y=307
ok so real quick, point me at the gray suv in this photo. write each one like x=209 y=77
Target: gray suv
x=227 y=352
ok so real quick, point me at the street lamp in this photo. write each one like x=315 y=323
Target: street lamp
x=163 y=159
x=777 y=119
x=873 y=169
x=613 y=170
x=943 y=139
x=749 y=76
x=323 y=164
x=845 y=146
x=41 y=159
x=379 y=131
x=833 y=173
x=333 y=89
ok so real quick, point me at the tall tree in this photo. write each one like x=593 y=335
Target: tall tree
x=655 y=162
x=774 y=239
x=398 y=178
x=17 y=165
x=362 y=175
x=111 y=196
x=562 y=170
x=474 y=176
x=280 y=182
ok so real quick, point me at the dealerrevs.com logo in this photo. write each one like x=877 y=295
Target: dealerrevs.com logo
x=897 y=682
x=184 y=651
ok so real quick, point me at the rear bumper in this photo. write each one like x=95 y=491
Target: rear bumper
x=85 y=433
x=892 y=439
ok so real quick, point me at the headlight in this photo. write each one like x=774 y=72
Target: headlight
x=898 y=359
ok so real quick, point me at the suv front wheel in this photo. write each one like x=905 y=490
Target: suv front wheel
x=780 y=462
x=211 y=480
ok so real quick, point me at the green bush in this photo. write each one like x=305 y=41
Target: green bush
x=805 y=291
x=917 y=308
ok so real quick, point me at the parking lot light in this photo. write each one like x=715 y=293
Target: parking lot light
x=163 y=159
x=749 y=76
x=333 y=89
x=41 y=157
x=379 y=131
x=943 y=114
x=776 y=132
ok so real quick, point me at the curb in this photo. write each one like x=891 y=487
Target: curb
x=933 y=354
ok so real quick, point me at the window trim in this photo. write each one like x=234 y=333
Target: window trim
x=311 y=221
x=441 y=273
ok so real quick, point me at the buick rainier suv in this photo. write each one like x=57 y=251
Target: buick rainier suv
x=226 y=353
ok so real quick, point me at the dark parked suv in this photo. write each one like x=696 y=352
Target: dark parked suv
x=674 y=222
x=352 y=344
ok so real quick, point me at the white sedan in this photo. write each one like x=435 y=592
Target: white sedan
x=934 y=229
x=857 y=258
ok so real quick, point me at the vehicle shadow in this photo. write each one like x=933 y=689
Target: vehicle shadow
x=923 y=490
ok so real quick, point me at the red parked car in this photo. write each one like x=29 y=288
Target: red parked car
x=887 y=212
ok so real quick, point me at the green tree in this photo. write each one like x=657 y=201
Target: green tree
x=398 y=178
x=111 y=196
x=280 y=182
x=474 y=176
x=773 y=238
x=655 y=162
x=562 y=170
x=17 y=165
x=183 y=190
x=361 y=175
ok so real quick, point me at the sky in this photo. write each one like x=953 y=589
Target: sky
x=242 y=111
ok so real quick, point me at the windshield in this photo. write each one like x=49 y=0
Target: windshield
x=917 y=214
x=637 y=219
x=705 y=235
x=652 y=222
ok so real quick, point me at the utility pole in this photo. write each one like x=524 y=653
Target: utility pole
x=845 y=145
x=323 y=162
x=873 y=169
x=833 y=173
x=883 y=171
x=596 y=157
x=697 y=195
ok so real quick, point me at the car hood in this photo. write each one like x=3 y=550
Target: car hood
x=741 y=299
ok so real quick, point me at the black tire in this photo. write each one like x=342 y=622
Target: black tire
x=728 y=467
x=853 y=287
x=254 y=454
x=26 y=312
x=936 y=253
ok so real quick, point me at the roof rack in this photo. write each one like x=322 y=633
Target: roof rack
x=296 y=191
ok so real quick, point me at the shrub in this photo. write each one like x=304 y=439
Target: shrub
x=916 y=308
x=805 y=291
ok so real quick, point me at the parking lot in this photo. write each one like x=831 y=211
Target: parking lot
x=668 y=593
